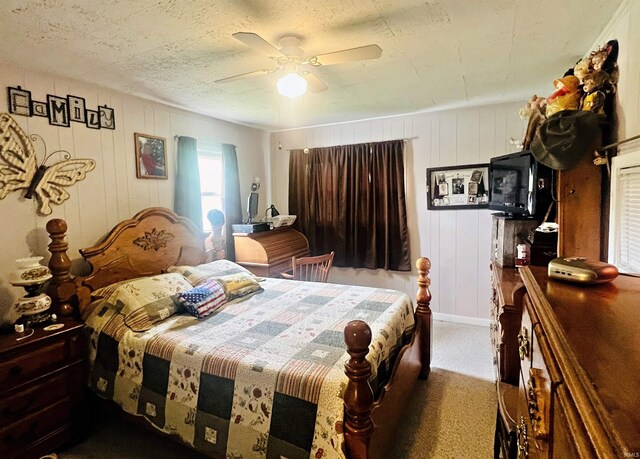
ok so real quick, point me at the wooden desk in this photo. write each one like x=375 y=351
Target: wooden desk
x=580 y=368
x=268 y=253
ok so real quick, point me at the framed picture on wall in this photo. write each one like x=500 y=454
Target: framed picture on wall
x=151 y=156
x=458 y=187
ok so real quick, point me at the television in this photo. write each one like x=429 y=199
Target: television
x=519 y=186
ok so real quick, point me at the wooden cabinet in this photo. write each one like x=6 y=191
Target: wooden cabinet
x=268 y=253
x=579 y=385
x=41 y=390
x=579 y=193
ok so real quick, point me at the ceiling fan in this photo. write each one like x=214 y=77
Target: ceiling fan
x=291 y=58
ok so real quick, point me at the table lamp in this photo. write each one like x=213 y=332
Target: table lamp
x=34 y=306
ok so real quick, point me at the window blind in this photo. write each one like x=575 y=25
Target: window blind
x=628 y=255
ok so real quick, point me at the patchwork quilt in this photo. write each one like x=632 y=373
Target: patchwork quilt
x=263 y=377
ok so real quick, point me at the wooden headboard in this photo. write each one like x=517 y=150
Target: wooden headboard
x=147 y=244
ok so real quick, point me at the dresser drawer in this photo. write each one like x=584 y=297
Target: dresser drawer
x=32 y=362
x=30 y=365
x=16 y=436
x=527 y=446
x=36 y=396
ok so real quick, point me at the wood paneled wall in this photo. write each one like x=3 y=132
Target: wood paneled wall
x=111 y=192
x=624 y=27
x=457 y=242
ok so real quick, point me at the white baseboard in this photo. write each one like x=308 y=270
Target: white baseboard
x=461 y=319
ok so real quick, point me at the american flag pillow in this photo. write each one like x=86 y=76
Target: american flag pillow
x=202 y=300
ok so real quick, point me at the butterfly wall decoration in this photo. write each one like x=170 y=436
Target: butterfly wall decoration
x=19 y=168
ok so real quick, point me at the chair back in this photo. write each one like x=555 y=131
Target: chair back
x=312 y=269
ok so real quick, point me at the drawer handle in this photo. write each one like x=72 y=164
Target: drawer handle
x=24 y=436
x=522 y=440
x=15 y=371
x=523 y=344
x=537 y=403
x=11 y=410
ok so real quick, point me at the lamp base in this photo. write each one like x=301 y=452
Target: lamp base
x=35 y=320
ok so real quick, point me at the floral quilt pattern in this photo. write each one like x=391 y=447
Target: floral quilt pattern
x=259 y=378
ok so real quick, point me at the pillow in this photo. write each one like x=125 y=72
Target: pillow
x=107 y=290
x=147 y=300
x=197 y=274
x=239 y=285
x=202 y=300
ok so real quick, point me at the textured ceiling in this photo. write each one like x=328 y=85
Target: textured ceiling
x=436 y=54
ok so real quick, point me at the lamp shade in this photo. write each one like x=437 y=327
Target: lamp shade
x=29 y=271
x=292 y=85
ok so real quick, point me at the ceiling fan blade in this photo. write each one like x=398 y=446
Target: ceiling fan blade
x=314 y=83
x=258 y=43
x=244 y=75
x=361 y=53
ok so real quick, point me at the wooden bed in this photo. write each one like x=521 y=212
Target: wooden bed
x=156 y=238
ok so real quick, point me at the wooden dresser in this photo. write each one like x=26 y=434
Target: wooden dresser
x=268 y=253
x=505 y=323
x=41 y=390
x=579 y=351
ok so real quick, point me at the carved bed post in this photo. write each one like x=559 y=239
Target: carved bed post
x=423 y=315
x=358 y=396
x=61 y=287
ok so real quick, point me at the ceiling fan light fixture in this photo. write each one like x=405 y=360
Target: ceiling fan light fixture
x=292 y=85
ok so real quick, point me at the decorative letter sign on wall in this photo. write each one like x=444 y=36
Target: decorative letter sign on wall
x=76 y=109
x=19 y=101
x=60 y=110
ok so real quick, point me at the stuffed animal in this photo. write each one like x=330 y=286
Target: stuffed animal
x=534 y=111
x=566 y=96
x=593 y=84
x=582 y=68
x=535 y=103
x=606 y=58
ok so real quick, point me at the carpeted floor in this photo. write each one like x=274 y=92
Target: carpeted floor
x=452 y=417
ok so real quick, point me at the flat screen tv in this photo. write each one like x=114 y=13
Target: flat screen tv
x=519 y=185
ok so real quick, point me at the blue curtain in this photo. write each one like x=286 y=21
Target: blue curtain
x=232 y=205
x=187 y=200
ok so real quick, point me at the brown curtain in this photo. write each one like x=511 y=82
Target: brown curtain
x=350 y=199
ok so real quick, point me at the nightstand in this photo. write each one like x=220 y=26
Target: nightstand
x=42 y=390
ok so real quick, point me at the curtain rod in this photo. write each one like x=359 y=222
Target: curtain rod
x=613 y=145
x=176 y=137
x=405 y=140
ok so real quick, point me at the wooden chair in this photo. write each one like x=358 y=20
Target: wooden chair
x=312 y=269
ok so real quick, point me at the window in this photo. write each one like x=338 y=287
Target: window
x=624 y=248
x=211 y=179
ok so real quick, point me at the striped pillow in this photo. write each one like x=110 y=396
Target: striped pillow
x=197 y=274
x=202 y=300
